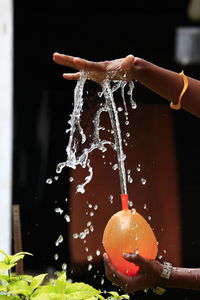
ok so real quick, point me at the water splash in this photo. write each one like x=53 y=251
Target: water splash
x=74 y=158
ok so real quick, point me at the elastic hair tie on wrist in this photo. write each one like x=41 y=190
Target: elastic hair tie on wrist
x=185 y=86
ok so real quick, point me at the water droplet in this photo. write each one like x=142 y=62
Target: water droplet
x=91 y=214
x=59 y=210
x=56 y=256
x=126 y=122
x=143 y=181
x=149 y=218
x=64 y=266
x=89 y=223
x=120 y=109
x=115 y=167
x=96 y=207
x=71 y=179
x=130 y=203
x=133 y=211
x=128 y=134
x=98 y=252
x=89 y=257
x=102 y=281
x=136 y=251
x=91 y=228
x=89 y=267
x=110 y=198
x=82 y=235
x=59 y=167
x=49 y=181
x=133 y=104
x=130 y=179
x=67 y=218
x=138 y=168
x=86 y=230
x=75 y=235
x=80 y=189
x=59 y=240
x=86 y=249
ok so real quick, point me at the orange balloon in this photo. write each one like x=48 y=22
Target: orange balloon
x=128 y=231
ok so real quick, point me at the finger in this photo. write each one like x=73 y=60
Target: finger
x=135 y=258
x=112 y=273
x=86 y=65
x=71 y=76
x=127 y=62
x=65 y=60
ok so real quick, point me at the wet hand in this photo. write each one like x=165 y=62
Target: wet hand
x=118 y=69
x=148 y=275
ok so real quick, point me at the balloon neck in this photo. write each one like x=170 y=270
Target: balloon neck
x=124 y=200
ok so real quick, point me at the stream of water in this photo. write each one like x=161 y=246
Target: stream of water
x=74 y=158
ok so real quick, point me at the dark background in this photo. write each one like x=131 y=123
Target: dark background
x=43 y=101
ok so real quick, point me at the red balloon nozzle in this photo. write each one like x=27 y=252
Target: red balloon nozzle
x=124 y=199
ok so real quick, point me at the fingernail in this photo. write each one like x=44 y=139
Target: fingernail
x=126 y=255
x=105 y=255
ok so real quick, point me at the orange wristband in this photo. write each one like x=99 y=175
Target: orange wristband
x=185 y=86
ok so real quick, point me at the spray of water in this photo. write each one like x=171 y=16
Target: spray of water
x=74 y=158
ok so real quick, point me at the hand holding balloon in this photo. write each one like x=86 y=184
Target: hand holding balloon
x=148 y=275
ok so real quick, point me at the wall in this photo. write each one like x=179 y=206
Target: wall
x=6 y=93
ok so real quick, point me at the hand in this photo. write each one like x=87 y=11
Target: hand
x=118 y=69
x=148 y=275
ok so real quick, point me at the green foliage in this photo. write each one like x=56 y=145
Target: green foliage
x=27 y=287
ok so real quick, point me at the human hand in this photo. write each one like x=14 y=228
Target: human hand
x=148 y=275
x=118 y=69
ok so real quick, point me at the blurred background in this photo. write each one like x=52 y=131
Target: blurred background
x=41 y=105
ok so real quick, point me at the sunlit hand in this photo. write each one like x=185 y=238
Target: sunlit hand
x=148 y=275
x=118 y=69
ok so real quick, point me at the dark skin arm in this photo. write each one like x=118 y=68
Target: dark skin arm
x=149 y=275
x=166 y=83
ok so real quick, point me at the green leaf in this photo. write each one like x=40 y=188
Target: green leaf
x=80 y=290
x=27 y=278
x=6 y=256
x=62 y=277
x=117 y=296
x=20 y=287
x=45 y=289
x=37 y=280
x=4 y=278
x=14 y=258
x=5 y=267
x=10 y=297
x=49 y=296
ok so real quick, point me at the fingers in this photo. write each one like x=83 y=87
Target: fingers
x=86 y=65
x=71 y=76
x=65 y=60
x=112 y=273
x=137 y=259
x=127 y=62
x=126 y=283
x=78 y=63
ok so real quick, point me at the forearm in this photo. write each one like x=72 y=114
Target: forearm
x=168 y=84
x=183 y=278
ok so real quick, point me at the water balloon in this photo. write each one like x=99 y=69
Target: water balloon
x=128 y=231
